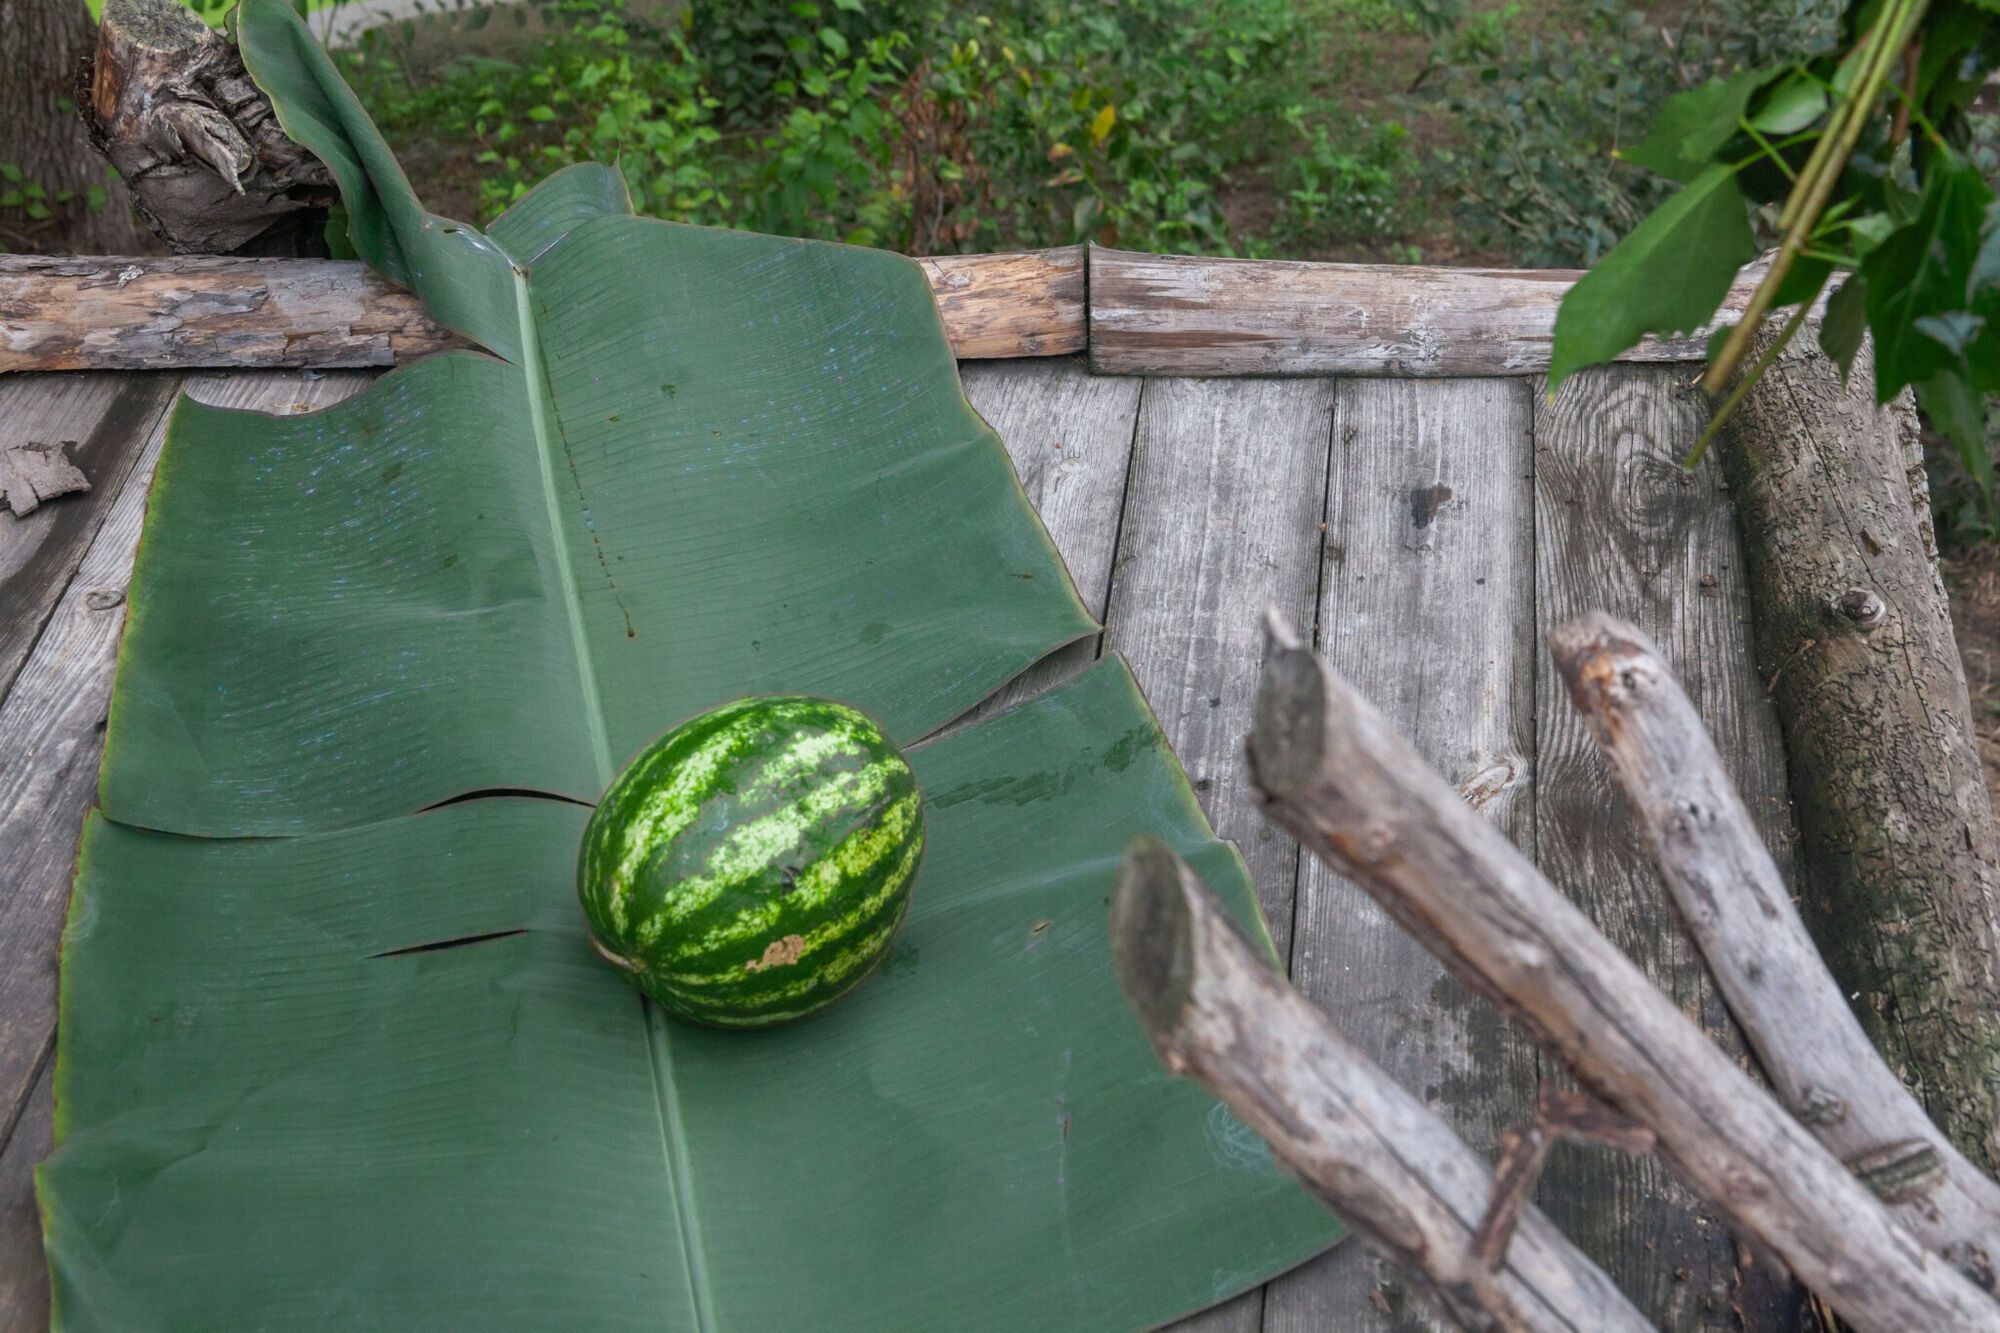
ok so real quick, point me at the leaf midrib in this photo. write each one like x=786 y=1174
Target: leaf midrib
x=673 y=1136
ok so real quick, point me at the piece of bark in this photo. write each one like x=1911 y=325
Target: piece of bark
x=37 y=471
x=186 y=312
x=1735 y=904
x=1853 y=630
x=210 y=170
x=1334 y=775
x=1217 y=1012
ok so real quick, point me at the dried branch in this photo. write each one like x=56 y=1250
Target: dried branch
x=1218 y=1012
x=1333 y=774
x=1737 y=908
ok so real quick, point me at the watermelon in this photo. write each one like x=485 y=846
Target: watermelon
x=751 y=865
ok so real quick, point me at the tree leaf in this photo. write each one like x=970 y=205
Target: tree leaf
x=1669 y=276
x=1925 y=268
x=327 y=1048
x=1845 y=322
x=1694 y=125
x=1794 y=103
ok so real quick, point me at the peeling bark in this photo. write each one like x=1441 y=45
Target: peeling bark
x=171 y=105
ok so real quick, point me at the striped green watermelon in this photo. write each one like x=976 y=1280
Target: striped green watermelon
x=750 y=866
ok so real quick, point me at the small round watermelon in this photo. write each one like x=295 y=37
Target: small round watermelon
x=751 y=865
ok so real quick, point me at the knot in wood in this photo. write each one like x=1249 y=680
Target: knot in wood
x=1862 y=607
x=1899 y=1172
x=103 y=599
x=1817 y=1106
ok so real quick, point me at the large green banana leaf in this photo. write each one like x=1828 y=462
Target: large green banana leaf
x=330 y=1056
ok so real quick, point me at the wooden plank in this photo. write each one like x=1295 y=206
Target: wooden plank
x=1222 y=518
x=1427 y=606
x=186 y=312
x=24 y=1283
x=51 y=731
x=110 y=418
x=1070 y=435
x=1176 y=315
x=1620 y=527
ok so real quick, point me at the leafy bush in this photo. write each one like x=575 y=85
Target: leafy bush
x=1544 y=106
x=916 y=124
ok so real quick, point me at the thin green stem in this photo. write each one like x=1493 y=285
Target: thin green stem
x=1750 y=378
x=1816 y=183
x=1768 y=151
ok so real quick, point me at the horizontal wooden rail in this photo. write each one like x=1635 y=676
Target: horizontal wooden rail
x=1176 y=315
x=191 y=312
x=1137 y=314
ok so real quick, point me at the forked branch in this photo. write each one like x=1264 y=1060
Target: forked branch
x=1334 y=774
x=1218 y=1012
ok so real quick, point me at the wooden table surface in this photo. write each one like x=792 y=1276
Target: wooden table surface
x=1431 y=530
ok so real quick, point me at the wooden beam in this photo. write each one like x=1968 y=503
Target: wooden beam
x=1178 y=315
x=189 y=312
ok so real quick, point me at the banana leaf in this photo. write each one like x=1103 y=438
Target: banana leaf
x=334 y=1050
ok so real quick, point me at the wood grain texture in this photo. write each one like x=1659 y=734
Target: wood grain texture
x=1178 y=315
x=1855 y=640
x=1217 y=1012
x=110 y=417
x=1029 y=303
x=1222 y=519
x=1334 y=773
x=52 y=731
x=1739 y=910
x=24 y=1287
x=61 y=313
x=1427 y=604
x=1621 y=527
x=1070 y=435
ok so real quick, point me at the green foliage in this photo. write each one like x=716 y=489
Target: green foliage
x=1857 y=161
x=1701 y=236
x=924 y=125
x=1548 y=100
x=28 y=207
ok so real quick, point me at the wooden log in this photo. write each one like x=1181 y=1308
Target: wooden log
x=1735 y=904
x=197 y=142
x=1853 y=632
x=1333 y=774
x=1179 y=315
x=67 y=313
x=1217 y=1012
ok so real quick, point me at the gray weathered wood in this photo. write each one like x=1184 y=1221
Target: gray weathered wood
x=51 y=732
x=150 y=313
x=1335 y=774
x=1740 y=912
x=1179 y=315
x=1222 y=518
x=1216 y=1012
x=110 y=418
x=1070 y=435
x=1427 y=604
x=1621 y=526
x=24 y=1291
x=1854 y=636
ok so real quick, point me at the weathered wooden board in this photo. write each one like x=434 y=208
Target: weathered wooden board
x=1177 y=315
x=1427 y=606
x=1621 y=527
x=24 y=1291
x=51 y=733
x=110 y=418
x=189 y=312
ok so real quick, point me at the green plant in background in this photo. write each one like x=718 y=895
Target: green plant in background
x=1854 y=163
